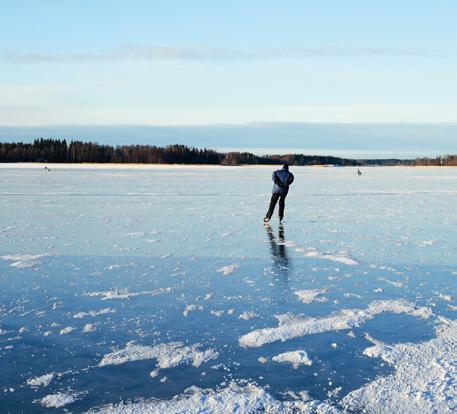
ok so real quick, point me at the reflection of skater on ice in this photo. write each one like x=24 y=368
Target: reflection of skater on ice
x=278 y=248
x=282 y=180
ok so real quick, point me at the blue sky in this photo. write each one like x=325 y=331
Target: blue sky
x=207 y=62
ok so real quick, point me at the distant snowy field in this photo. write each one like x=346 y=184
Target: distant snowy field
x=159 y=290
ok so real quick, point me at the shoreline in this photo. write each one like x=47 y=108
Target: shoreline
x=41 y=165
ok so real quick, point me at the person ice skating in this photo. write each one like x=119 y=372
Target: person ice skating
x=359 y=172
x=282 y=180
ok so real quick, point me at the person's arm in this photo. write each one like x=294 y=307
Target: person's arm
x=276 y=180
x=290 y=179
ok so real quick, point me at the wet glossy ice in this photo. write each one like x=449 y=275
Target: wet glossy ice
x=95 y=261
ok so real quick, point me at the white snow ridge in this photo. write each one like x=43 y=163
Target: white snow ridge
x=167 y=355
x=424 y=380
x=239 y=398
x=290 y=326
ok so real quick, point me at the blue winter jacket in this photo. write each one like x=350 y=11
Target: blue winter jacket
x=282 y=179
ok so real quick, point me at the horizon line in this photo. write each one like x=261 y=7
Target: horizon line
x=234 y=124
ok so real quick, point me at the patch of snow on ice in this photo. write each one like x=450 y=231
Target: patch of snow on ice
x=247 y=315
x=296 y=358
x=334 y=393
x=227 y=270
x=301 y=395
x=395 y=283
x=446 y=298
x=89 y=327
x=192 y=308
x=41 y=381
x=135 y=234
x=92 y=313
x=314 y=253
x=423 y=380
x=57 y=400
x=427 y=242
x=125 y=294
x=240 y=398
x=168 y=355
x=67 y=330
x=311 y=295
x=119 y=266
x=23 y=261
x=291 y=326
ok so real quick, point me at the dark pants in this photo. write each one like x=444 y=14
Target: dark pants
x=282 y=202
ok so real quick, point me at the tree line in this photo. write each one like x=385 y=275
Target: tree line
x=59 y=151
x=54 y=150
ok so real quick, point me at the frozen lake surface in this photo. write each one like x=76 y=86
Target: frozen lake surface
x=159 y=289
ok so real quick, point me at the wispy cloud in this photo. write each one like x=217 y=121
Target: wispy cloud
x=132 y=52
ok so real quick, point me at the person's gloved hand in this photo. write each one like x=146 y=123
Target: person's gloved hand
x=279 y=183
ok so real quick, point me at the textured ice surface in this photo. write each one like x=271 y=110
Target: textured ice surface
x=23 y=260
x=424 y=378
x=291 y=326
x=129 y=262
x=234 y=398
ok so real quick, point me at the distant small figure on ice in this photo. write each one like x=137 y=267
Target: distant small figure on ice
x=282 y=180
x=359 y=172
x=47 y=169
